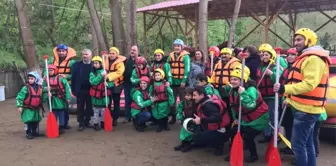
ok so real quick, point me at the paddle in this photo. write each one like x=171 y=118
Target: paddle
x=237 y=152
x=52 y=126
x=107 y=114
x=263 y=75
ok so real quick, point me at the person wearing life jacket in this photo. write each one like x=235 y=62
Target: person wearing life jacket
x=97 y=92
x=204 y=81
x=214 y=120
x=306 y=90
x=159 y=62
x=254 y=117
x=60 y=95
x=185 y=109
x=114 y=64
x=29 y=102
x=141 y=104
x=63 y=59
x=268 y=55
x=223 y=68
x=165 y=99
x=213 y=51
x=141 y=69
x=179 y=61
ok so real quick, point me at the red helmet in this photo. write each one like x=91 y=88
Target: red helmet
x=53 y=67
x=141 y=61
x=145 y=78
x=292 y=51
x=215 y=50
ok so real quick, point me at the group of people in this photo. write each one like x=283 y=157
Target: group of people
x=210 y=90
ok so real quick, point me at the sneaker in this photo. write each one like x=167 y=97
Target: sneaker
x=61 y=131
x=38 y=135
x=81 y=128
x=179 y=147
x=187 y=147
x=140 y=128
x=96 y=127
x=67 y=127
x=29 y=136
x=251 y=159
x=115 y=123
x=159 y=129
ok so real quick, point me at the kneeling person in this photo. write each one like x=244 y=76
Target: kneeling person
x=204 y=81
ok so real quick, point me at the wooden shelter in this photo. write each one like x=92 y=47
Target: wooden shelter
x=263 y=11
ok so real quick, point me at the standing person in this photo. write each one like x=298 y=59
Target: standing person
x=306 y=88
x=64 y=59
x=141 y=69
x=197 y=67
x=160 y=63
x=179 y=61
x=114 y=64
x=80 y=85
x=214 y=51
x=29 y=102
x=129 y=67
x=252 y=61
x=97 y=92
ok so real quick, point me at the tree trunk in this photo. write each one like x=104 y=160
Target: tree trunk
x=117 y=26
x=203 y=26
x=95 y=44
x=30 y=56
x=131 y=29
x=97 y=27
x=233 y=23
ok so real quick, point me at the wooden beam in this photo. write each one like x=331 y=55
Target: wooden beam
x=153 y=22
x=323 y=25
x=284 y=21
x=331 y=18
x=171 y=26
x=248 y=34
x=274 y=16
x=266 y=23
x=256 y=17
x=166 y=16
x=145 y=34
x=179 y=24
x=274 y=33
x=160 y=29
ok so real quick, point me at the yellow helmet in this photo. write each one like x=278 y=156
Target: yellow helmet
x=226 y=50
x=160 y=51
x=210 y=80
x=97 y=58
x=268 y=48
x=115 y=49
x=309 y=36
x=161 y=72
x=237 y=73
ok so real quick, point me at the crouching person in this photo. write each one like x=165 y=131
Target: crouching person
x=254 y=118
x=164 y=100
x=185 y=109
x=141 y=104
x=99 y=99
x=28 y=103
x=213 y=117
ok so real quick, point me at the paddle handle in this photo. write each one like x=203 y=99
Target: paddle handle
x=276 y=109
x=47 y=80
x=212 y=60
x=243 y=56
x=264 y=73
x=103 y=56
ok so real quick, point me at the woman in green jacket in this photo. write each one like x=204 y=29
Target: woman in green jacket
x=141 y=69
x=160 y=63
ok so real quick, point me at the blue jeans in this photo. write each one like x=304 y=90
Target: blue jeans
x=60 y=116
x=303 y=138
x=143 y=117
x=128 y=99
x=271 y=105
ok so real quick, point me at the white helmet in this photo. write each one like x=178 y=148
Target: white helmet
x=190 y=126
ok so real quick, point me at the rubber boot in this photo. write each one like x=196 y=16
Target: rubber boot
x=187 y=147
x=35 y=130
x=179 y=147
x=96 y=127
x=140 y=128
x=102 y=125
x=61 y=130
x=165 y=124
x=173 y=117
x=159 y=125
x=29 y=132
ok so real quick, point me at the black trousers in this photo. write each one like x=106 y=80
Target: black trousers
x=211 y=138
x=287 y=122
x=248 y=135
x=84 y=107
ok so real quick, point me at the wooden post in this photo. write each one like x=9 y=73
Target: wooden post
x=266 y=23
x=203 y=26
x=233 y=23
x=145 y=34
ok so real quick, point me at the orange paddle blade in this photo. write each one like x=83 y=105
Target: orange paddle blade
x=274 y=158
x=108 y=120
x=52 y=126
x=237 y=152
x=269 y=149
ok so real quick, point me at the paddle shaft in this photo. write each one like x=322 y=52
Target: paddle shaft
x=276 y=109
x=105 y=81
x=264 y=73
x=48 y=84
x=212 y=62
x=241 y=84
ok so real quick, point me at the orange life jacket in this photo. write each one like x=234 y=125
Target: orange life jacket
x=111 y=66
x=145 y=95
x=177 y=65
x=98 y=91
x=317 y=96
x=56 y=87
x=160 y=92
x=64 y=66
x=266 y=84
x=222 y=72
x=33 y=99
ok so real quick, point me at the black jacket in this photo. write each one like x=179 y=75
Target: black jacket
x=80 y=78
x=129 y=66
x=211 y=111
x=253 y=63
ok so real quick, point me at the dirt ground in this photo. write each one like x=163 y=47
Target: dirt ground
x=122 y=147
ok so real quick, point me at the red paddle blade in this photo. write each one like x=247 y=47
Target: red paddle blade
x=237 y=152
x=107 y=120
x=269 y=149
x=52 y=126
x=274 y=158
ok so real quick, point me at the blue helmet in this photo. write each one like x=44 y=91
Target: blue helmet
x=62 y=47
x=36 y=75
x=179 y=42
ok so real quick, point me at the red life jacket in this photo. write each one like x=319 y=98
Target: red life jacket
x=225 y=117
x=98 y=91
x=144 y=72
x=33 y=99
x=188 y=109
x=284 y=76
x=145 y=95
x=266 y=84
x=160 y=92
x=247 y=114
x=56 y=87
x=161 y=65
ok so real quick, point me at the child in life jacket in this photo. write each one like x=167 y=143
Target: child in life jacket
x=97 y=92
x=185 y=109
x=141 y=104
x=254 y=116
x=29 y=102
x=265 y=84
x=165 y=99
x=160 y=63
x=60 y=95
x=141 y=69
x=203 y=80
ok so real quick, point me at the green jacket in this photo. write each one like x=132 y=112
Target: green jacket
x=272 y=77
x=95 y=79
x=162 y=109
x=58 y=103
x=167 y=71
x=210 y=90
x=28 y=115
x=186 y=62
x=184 y=135
x=138 y=98
x=135 y=80
x=249 y=101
